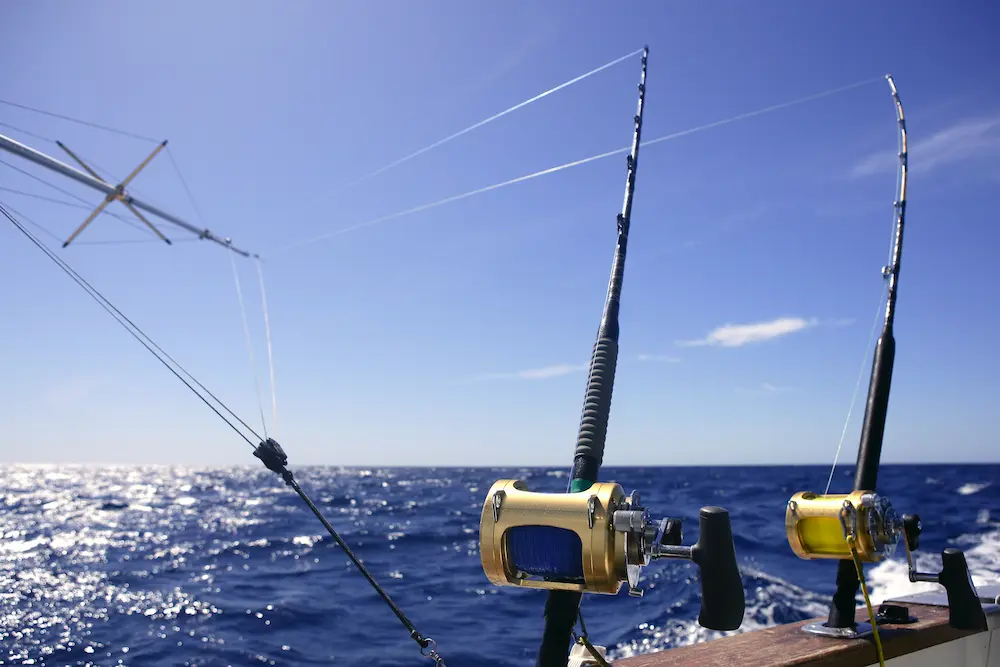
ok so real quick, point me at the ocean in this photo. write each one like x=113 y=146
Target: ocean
x=156 y=565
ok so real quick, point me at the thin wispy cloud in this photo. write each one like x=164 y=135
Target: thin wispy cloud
x=658 y=358
x=766 y=389
x=973 y=138
x=737 y=335
x=542 y=373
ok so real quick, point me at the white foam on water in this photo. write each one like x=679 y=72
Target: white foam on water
x=890 y=579
x=770 y=595
x=972 y=487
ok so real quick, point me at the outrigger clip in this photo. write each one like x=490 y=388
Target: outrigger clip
x=274 y=458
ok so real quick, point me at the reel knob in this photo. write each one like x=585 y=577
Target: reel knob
x=911 y=529
x=722 y=597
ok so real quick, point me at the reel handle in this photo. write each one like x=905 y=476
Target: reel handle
x=722 y=598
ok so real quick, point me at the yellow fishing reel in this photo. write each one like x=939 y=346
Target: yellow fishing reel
x=596 y=540
x=817 y=526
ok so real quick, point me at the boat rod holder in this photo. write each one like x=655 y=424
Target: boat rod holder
x=817 y=526
x=595 y=540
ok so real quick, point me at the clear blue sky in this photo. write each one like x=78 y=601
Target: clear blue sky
x=456 y=335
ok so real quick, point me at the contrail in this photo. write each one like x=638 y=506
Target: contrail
x=485 y=121
x=575 y=163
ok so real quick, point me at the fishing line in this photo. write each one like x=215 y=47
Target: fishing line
x=492 y=118
x=270 y=356
x=134 y=330
x=243 y=310
x=246 y=330
x=575 y=163
x=81 y=122
x=269 y=452
x=878 y=313
x=857 y=385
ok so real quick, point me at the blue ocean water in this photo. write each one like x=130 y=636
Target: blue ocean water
x=156 y=566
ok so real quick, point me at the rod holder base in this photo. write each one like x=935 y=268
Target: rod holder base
x=859 y=631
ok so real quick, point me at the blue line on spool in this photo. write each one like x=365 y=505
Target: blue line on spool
x=546 y=551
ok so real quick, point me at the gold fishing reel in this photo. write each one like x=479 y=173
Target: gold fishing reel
x=818 y=526
x=595 y=540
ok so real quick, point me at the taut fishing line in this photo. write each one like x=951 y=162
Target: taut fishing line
x=268 y=451
x=575 y=163
x=492 y=118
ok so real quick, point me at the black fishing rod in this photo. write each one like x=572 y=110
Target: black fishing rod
x=562 y=607
x=862 y=526
x=594 y=538
x=877 y=406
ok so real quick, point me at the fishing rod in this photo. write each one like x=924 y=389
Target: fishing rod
x=862 y=527
x=593 y=538
x=111 y=192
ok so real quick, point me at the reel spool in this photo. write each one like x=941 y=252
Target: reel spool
x=596 y=540
x=817 y=526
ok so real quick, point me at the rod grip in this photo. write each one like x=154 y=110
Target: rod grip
x=722 y=597
x=597 y=403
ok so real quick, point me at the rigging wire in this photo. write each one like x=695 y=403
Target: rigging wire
x=575 y=163
x=106 y=173
x=25 y=132
x=31 y=222
x=88 y=123
x=183 y=181
x=59 y=239
x=88 y=205
x=135 y=331
x=492 y=118
x=52 y=200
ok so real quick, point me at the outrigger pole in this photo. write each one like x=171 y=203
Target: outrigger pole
x=111 y=192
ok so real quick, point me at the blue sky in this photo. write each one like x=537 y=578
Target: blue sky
x=458 y=334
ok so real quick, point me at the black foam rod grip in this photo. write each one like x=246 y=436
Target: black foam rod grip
x=965 y=612
x=722 y=597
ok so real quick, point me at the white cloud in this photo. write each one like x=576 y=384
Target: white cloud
x=660 y=358
x=737 y=335
x=965 y=140
x=543 y=373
